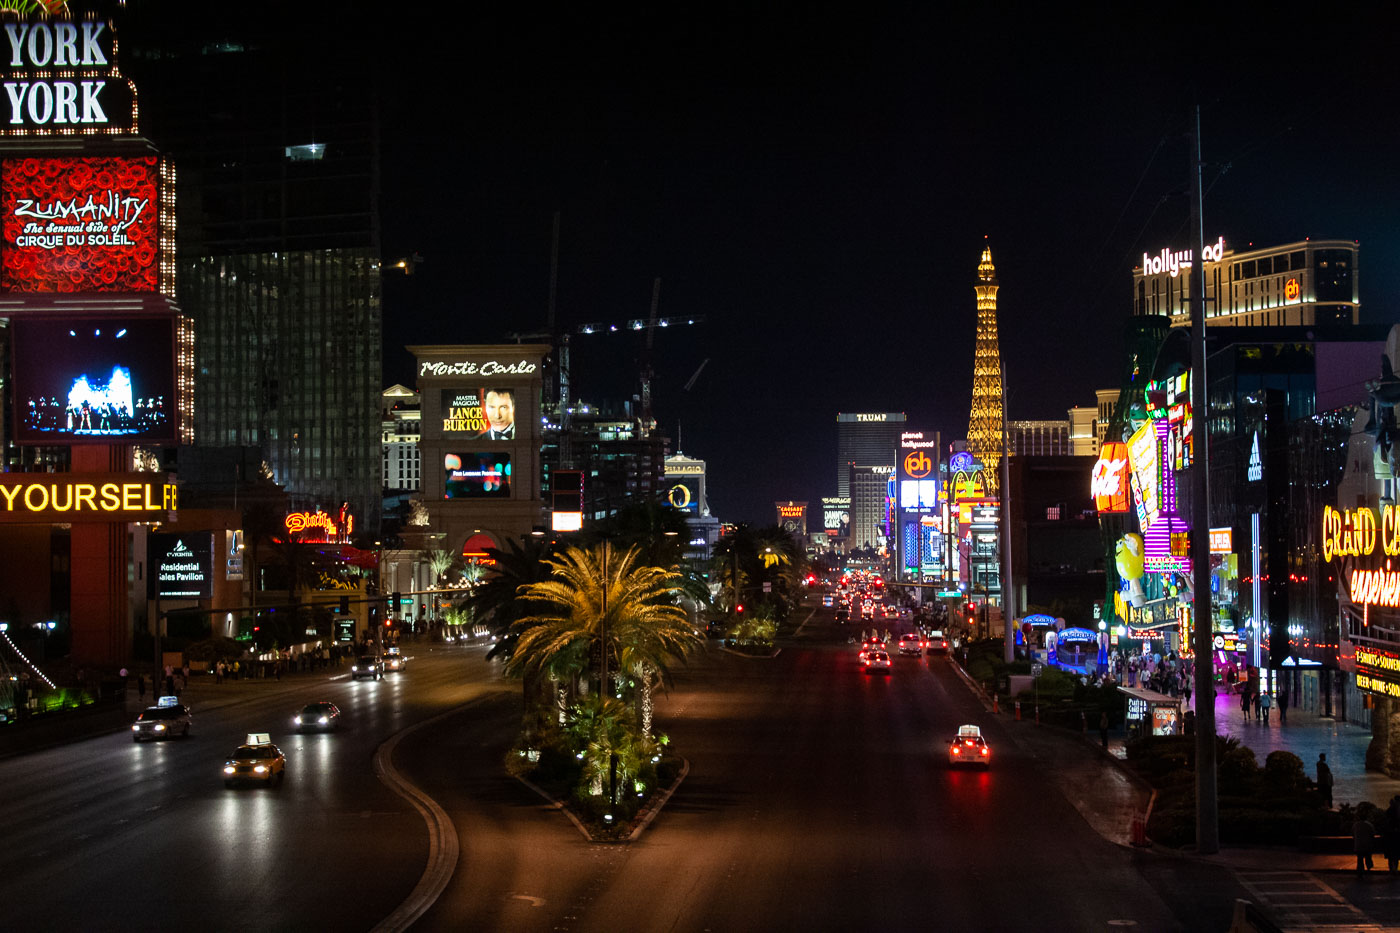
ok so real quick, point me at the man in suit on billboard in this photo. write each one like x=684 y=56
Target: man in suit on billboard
x=500 y=415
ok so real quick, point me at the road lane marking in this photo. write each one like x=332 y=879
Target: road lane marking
x=442 y=835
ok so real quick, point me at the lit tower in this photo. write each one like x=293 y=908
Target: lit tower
x=984 y=438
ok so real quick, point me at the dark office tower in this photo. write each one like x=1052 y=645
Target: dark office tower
x=272 y=122
x=865 y=439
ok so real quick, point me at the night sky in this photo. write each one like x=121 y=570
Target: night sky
x=818 y=183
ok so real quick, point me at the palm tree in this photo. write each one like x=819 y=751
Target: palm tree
x=495 y=600
x=604 y=608
x=439 y=562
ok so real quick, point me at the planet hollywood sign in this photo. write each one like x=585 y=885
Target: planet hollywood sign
x=1173 y=262
x=62 y=79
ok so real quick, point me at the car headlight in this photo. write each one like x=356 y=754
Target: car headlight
x=296 y=719
x=160 y=727
x=323 y=720
x=260 y=769
x=135 y=728
x=228 y=769
x=354 y=669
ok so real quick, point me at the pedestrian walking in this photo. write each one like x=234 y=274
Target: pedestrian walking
x=1282 y=707
x=1266 y=703
x=1363 y=838
x=141 y=687
x=1186 y=688
x=1103 y=728
x=1255 y=701
x=1244 y=701
x=170 y=684
x=1324 y=779
x=1390 y=834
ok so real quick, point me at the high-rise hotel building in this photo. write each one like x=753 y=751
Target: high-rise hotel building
x=1306 y=283
x=866 y=439
x=277 y=144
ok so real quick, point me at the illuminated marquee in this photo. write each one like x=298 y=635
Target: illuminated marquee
x=62 y=77
x=791 y=511
x=1109 y=481
x=1291 y=290
x=81 y=497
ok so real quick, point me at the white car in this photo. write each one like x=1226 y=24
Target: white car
x=937 y=643
x=876 y=660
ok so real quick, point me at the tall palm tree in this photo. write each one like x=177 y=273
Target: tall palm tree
x=604 y=608
x=495 y=600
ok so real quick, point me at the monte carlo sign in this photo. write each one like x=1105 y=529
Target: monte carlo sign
x=61 y=78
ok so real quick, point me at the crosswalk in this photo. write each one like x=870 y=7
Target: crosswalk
x=1301 y=902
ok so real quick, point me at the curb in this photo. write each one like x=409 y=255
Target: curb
x=652 y=812
x=442 y=835
x=752 y=657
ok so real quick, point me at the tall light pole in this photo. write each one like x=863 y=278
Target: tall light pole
x=1207 y=805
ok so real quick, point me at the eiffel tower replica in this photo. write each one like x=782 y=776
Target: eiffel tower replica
x=984 y=425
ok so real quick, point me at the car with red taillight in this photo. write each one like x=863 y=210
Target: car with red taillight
x=969 y=748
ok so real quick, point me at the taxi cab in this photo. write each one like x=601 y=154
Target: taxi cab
x=256 y=760
x=167 y=719
x=394 y=659
x=969 y=748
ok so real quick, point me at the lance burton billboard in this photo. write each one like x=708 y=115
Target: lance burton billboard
x=81 y=224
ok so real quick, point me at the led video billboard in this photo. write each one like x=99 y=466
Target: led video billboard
x=683 y=492
x=94 y=380
x=80 y=225
x=484 y=475
x=486 y=413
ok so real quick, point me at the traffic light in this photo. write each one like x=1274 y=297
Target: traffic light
x=345 y=605
x=395 y=601
x=739 y=609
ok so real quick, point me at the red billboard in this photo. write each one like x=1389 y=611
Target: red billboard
x=80 y=224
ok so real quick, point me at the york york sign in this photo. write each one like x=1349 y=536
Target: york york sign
x=61 y=77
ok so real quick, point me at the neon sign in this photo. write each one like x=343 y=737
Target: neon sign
x=1291 y=290
x=469 y=368
x=1353 y=533
x=917 y=465
x=1109 y=480
x=1173 y=262
x=319 y=527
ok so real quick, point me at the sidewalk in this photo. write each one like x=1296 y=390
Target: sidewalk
x=1307 y=735
x=1108 y=794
